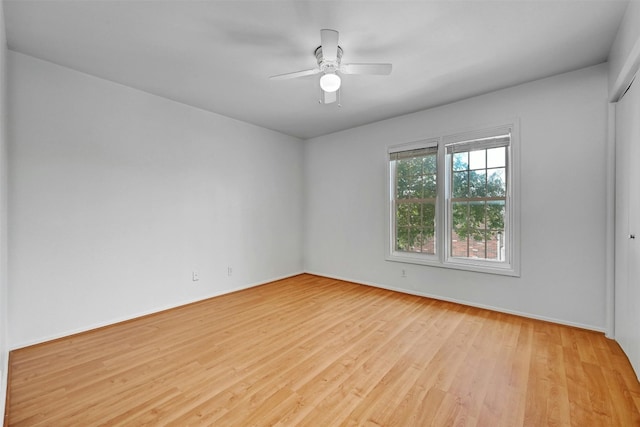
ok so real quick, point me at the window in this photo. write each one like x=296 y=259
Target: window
x=452 y=201
x=415 y=199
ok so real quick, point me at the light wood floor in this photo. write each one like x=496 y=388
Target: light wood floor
x=313 y=351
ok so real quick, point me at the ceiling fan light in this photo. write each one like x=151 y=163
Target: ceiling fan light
x=330 y=82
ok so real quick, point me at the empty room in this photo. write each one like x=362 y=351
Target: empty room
x=320 y=213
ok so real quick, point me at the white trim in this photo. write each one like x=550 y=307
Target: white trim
x=461 y=264
x=145 y=313
x=480 y=134
x=610 y=264
x=390 y=253
x=413 y=145
x=511 y=267
x=346 y=279
x=469 y=263
x=413 y=257
x=4 y=384
x=466 y=303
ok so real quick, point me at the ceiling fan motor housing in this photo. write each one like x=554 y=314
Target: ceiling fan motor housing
x=325 y=65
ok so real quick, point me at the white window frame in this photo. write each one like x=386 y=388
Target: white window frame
x=442 y=258
x=392 y=253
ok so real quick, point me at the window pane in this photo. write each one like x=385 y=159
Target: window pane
x=406 y=183
x=459 y=216
x=402 y=215
x=423 y=187
x=415 y=214
x=478 y=230
x=476 y=218
x=428 y=215
x=460 y=161
x=460 y=184
x=430 y=187
x=477 y=244
x=477 y=183
x=414 y=165
x=415 y=227
x=415 y=177
x=459 y=247
x=495 y=247
x=477 y=159
x=402 y=179
x=429 y=164
x=415 y=240
x=495 y=215
x=402 y=239
x=429 y=243
x=496 y=183
x=496 y=157
x=415 y=195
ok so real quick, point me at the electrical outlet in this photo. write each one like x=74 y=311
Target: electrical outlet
x=195 y=276
x=403 y=273
x=229 y=271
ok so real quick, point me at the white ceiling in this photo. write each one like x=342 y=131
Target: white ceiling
x=218 y=55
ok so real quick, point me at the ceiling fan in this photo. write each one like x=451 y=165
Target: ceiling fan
x=329 y=56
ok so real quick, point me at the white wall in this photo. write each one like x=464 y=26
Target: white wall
x=117 y=195
x=3 y=212
x=563 y=131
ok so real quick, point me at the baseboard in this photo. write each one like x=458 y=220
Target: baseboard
x=115 y=321
x=467 y=303
x=4 y=387
x=251 y=285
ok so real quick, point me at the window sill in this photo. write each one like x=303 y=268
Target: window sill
x=465 y=265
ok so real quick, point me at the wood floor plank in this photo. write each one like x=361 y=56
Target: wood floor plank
x=579 y=403
x=440 y=330
x=371 y=362
x=601 y=404
x=388 y=391
x=493 y=410
x=310 y=351
x=308 y=355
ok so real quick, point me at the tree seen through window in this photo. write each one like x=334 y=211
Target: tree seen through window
x=478 y=202
x=415 y=201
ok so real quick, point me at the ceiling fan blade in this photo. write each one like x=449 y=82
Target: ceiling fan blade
x=329 y=97
x=295 y=74
x=374 y=69
x=329 y=43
